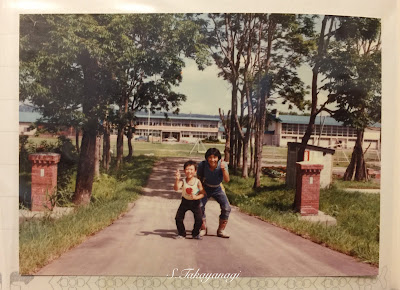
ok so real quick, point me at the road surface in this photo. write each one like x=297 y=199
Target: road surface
x=142 y=243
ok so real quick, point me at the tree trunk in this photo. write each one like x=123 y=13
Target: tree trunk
x=251 y=170
x=121 y=127
x=348 y=175
x=97 y=157
x=245 y=167
x=227 y=134
x=77 y=139
x=307 y=134
x=261 y=117
x=130 y=147
x=120 y=146
x=238 y=151
x=227 y=149
x=85 y=175
x=106 y=147
x=357 y=166
x=322 y=46
x=258 y=143
x=232 y=145
x=87 y=156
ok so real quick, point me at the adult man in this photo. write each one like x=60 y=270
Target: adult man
x=212 y=172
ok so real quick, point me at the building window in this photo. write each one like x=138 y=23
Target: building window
x=302 y=129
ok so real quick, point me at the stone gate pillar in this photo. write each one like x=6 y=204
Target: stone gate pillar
x=44 y=179
x=307 y=187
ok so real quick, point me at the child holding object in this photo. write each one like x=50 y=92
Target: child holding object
x=192 y=192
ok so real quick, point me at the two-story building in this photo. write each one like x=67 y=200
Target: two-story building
x=182 y=127
x=327 y=132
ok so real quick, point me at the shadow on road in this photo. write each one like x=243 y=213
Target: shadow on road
x=171 y=234
x=162 y=233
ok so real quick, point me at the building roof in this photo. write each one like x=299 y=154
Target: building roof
x=197 y=117
x=326 y=120
x=29 y=117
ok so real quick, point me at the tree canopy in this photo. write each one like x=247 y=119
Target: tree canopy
x=76 y=68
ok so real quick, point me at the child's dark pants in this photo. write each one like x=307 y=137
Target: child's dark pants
x=194 y=206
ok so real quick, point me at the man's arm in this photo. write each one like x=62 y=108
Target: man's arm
x=225 y=172
x=200 y=171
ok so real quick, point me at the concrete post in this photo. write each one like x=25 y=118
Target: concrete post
x=44 y=179
x=307 y=187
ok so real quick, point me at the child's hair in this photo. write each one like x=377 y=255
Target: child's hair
x=190 y=162
x=213 y=151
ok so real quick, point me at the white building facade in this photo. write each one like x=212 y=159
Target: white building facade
x=327 y=132
x=182 y=127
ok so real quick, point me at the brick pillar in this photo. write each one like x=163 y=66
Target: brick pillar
x=307 y=187
x=44 y=179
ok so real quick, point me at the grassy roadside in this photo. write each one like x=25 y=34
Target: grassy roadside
x=371 y=184
x=357 y=214
x=43 y=240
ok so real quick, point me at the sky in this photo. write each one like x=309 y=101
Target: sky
x=206 y=92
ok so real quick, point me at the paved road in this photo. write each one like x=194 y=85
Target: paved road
x=142 y=243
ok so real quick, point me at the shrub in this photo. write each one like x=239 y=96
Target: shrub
x=211 y=139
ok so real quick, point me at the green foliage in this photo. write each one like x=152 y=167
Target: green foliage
x=101 y=58
x=211 y=139
x=78 y=69
x=65 y=173
x=353 y=72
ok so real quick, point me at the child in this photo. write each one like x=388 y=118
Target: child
x=192 y=192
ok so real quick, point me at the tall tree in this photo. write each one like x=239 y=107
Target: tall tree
x=282 y=49
x=225 y=124
x=353 y=71
x=322 y=40
x=147 y=64
x=64 y=70
x=251 y=51
x=85 y=63
x=226 y=41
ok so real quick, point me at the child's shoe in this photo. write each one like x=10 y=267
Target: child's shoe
x=198 y=237
x=179 y=237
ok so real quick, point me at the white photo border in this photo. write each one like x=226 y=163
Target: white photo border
x=386 y=10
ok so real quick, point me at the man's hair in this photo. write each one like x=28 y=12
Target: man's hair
x=190 y=162
x=213 y=151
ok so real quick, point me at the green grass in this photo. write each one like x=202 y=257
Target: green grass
x=357 y=214
x=178 y=149
x=43 y=240
x=170 y=150
x=371 y=184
